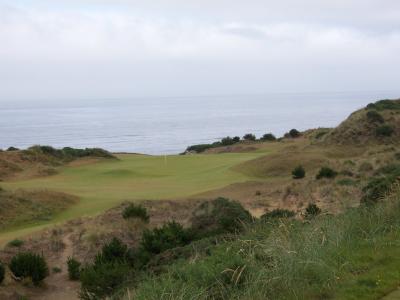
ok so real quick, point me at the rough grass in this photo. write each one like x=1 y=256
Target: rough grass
x=350 y=256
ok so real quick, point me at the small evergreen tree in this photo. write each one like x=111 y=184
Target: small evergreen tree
x=326 y=172
x=29 y=265
x=312 y=210
x=249 y=137
x=74 y=268
x=136 y=211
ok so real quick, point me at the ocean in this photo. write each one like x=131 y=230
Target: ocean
x=169 y=125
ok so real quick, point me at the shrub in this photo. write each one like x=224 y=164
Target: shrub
x=249 y=137
x=397 y=155
x=169 y=236
x=199 y=148
x=294 y=133
x=346 y=182
x=74 y=268
x=101 y=280
x=268 y=137
x=312 y=210
x=298 y=172
x=326 y=172
x=384 y=130
x=226 y=141
x=377 y=188
x=219 y=216
x=12 y=149
x=384 y=104
x=375 y=117
x=278 y=214
x=29 y=265
x=136 y=211
x=15 y=243
x=236 y=139
x=2 y=272
x=114 y=251
x=56 y=270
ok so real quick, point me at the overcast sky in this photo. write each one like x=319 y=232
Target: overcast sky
x=76 y=49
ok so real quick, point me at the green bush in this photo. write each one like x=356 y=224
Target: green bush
x=16 y=243
x=312 y=210
x=375 y=117
x=236 y=139
x=227 y=141
x=136 y=211
x=278 y=214
x=268 y=137
x=29 y=265
x=298 y=172
x=249 y=137
x=219 y=216
x=294 y=133
x=74 y=268
x=100 y=281
x=384 y=130
x=326 y=172
x=169 y=236
x=56 y=270
x=2 y=272
x=385 y=104
x=12 y=149
x=114 y=251
x=377 y=188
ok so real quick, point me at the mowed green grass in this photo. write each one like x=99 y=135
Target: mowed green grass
x=135 y=177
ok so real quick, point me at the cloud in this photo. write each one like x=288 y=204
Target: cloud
x=172 y=42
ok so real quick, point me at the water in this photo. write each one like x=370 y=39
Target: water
x=169 y=125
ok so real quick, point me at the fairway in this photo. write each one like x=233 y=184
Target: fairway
x=134 y=177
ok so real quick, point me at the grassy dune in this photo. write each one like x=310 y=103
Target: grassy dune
x=134 y=177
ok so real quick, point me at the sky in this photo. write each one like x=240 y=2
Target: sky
x=80 y=49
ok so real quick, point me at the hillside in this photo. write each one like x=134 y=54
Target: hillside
x=377 y=123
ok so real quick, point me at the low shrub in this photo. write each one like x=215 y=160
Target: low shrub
x=100 y=281
x=346 y=182
x=278 y=214
x=16 y=243
x=2 y=272
x=249 y=137
x=12 y=149
x=326 y=172
x=268 y=137
x=199 y=148
x=375 y=117
x=219 y=216
x=136 y=211
x=312 y=210
x=227 y=141
x=74 y=268
x=169 y=236
x=56 y=270
x=397 y=155
x=377 y=188
x=293 y=133
x=114 y=251
x=31 y=265
x=298 y=172
x=384 y=131
x=384 y=104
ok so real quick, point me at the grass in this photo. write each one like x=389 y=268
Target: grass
x=105 y=184
x=354 y=255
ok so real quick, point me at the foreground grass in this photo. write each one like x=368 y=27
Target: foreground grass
x=103 y=185
x=354 y=255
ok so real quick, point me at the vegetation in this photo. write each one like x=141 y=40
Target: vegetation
x=249 y=137
x=298 y=172
x=114 y=251
x=293 y=133
x=326 y=172
x=384 y=104
x=12 y=149
x=278 y=214
x=268 y=137
x=226 y=141
x=219 y=216
x=375 y=117
x=15 y=243
x=74 y=268
x=56 y=270
x=312 y=210
x=384 y=130
x=29 y=265
x=349 y=256
x=69 y=153
x=136 y=211
x=101 y=280
x=2 y=272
